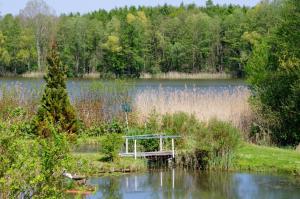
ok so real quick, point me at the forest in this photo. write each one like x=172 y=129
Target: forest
x=130 y=41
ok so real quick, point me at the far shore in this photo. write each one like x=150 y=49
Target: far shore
x=168 y=75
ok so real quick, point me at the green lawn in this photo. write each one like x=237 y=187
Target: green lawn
x=270 y=159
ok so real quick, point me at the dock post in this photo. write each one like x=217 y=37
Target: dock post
x=173 y=178
x=126 y=145
x=173 y=148
x=160 y=143
x=134 y=149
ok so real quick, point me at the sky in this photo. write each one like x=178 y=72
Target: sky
x=84 y=6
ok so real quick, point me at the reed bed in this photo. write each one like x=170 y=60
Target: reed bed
x=101 y=102
x=226 y=104
x=180 y=75
x=16 y=95
x=98 y=102
x=92 y=75
x=34 y=74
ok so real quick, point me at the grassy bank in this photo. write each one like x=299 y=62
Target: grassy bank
x=249 y=157
x=96 y=164
x=267 y=159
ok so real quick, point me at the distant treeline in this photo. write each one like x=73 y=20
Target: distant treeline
x=129 y=41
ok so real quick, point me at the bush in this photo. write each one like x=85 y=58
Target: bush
x=223 y=140
x=111 y=145
x=144 y=144
x=224 y=137
x=32 y=167
x=201 y=145
x=180 y=123
x=105 y=128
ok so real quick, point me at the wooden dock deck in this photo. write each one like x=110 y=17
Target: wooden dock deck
x=148 y=154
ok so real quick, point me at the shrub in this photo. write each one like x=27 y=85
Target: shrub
x=111 y=145
x=115 y=127
x=105 y=128
x=147 y=144
x=180 y=123
x=223 y=139
x=201 y=145
x=32 y=167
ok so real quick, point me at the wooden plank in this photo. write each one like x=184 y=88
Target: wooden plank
x=147 y=154
x=154 y=136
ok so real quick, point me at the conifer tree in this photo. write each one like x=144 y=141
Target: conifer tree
x=55 y=108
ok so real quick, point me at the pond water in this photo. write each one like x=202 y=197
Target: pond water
x=183 y=184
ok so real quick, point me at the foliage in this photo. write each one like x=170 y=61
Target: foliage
x=32 y=168
x=126 y=42
x=105 y=128
x=55 y=108
x=202 y=145
x=274 y=73
x=111 y=145
x=205 y=146
x=223 y=141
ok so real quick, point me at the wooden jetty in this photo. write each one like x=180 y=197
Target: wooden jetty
x=152 y=154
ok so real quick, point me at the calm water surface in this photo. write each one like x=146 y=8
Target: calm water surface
x=181 y=184
x=74 y=84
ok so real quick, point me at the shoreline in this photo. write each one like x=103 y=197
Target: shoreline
x=249 y=158
x=159 y=76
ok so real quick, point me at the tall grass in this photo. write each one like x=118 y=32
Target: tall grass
x=229 y=105
x=17 y=95
x=180 y=75
x=33 y=74
x=92 y=75
x=101 y=102
x=94 y=103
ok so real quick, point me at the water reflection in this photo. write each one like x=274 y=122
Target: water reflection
x=180 y=184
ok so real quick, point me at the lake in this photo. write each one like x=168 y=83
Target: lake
x=183 y=184
x=139 y=84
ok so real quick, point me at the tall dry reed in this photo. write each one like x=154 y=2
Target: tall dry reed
x=181 y=75
x=101 y=102
x=16 y=95
x=227 y=104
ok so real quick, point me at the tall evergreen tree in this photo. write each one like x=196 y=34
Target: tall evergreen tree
x=55 y=108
